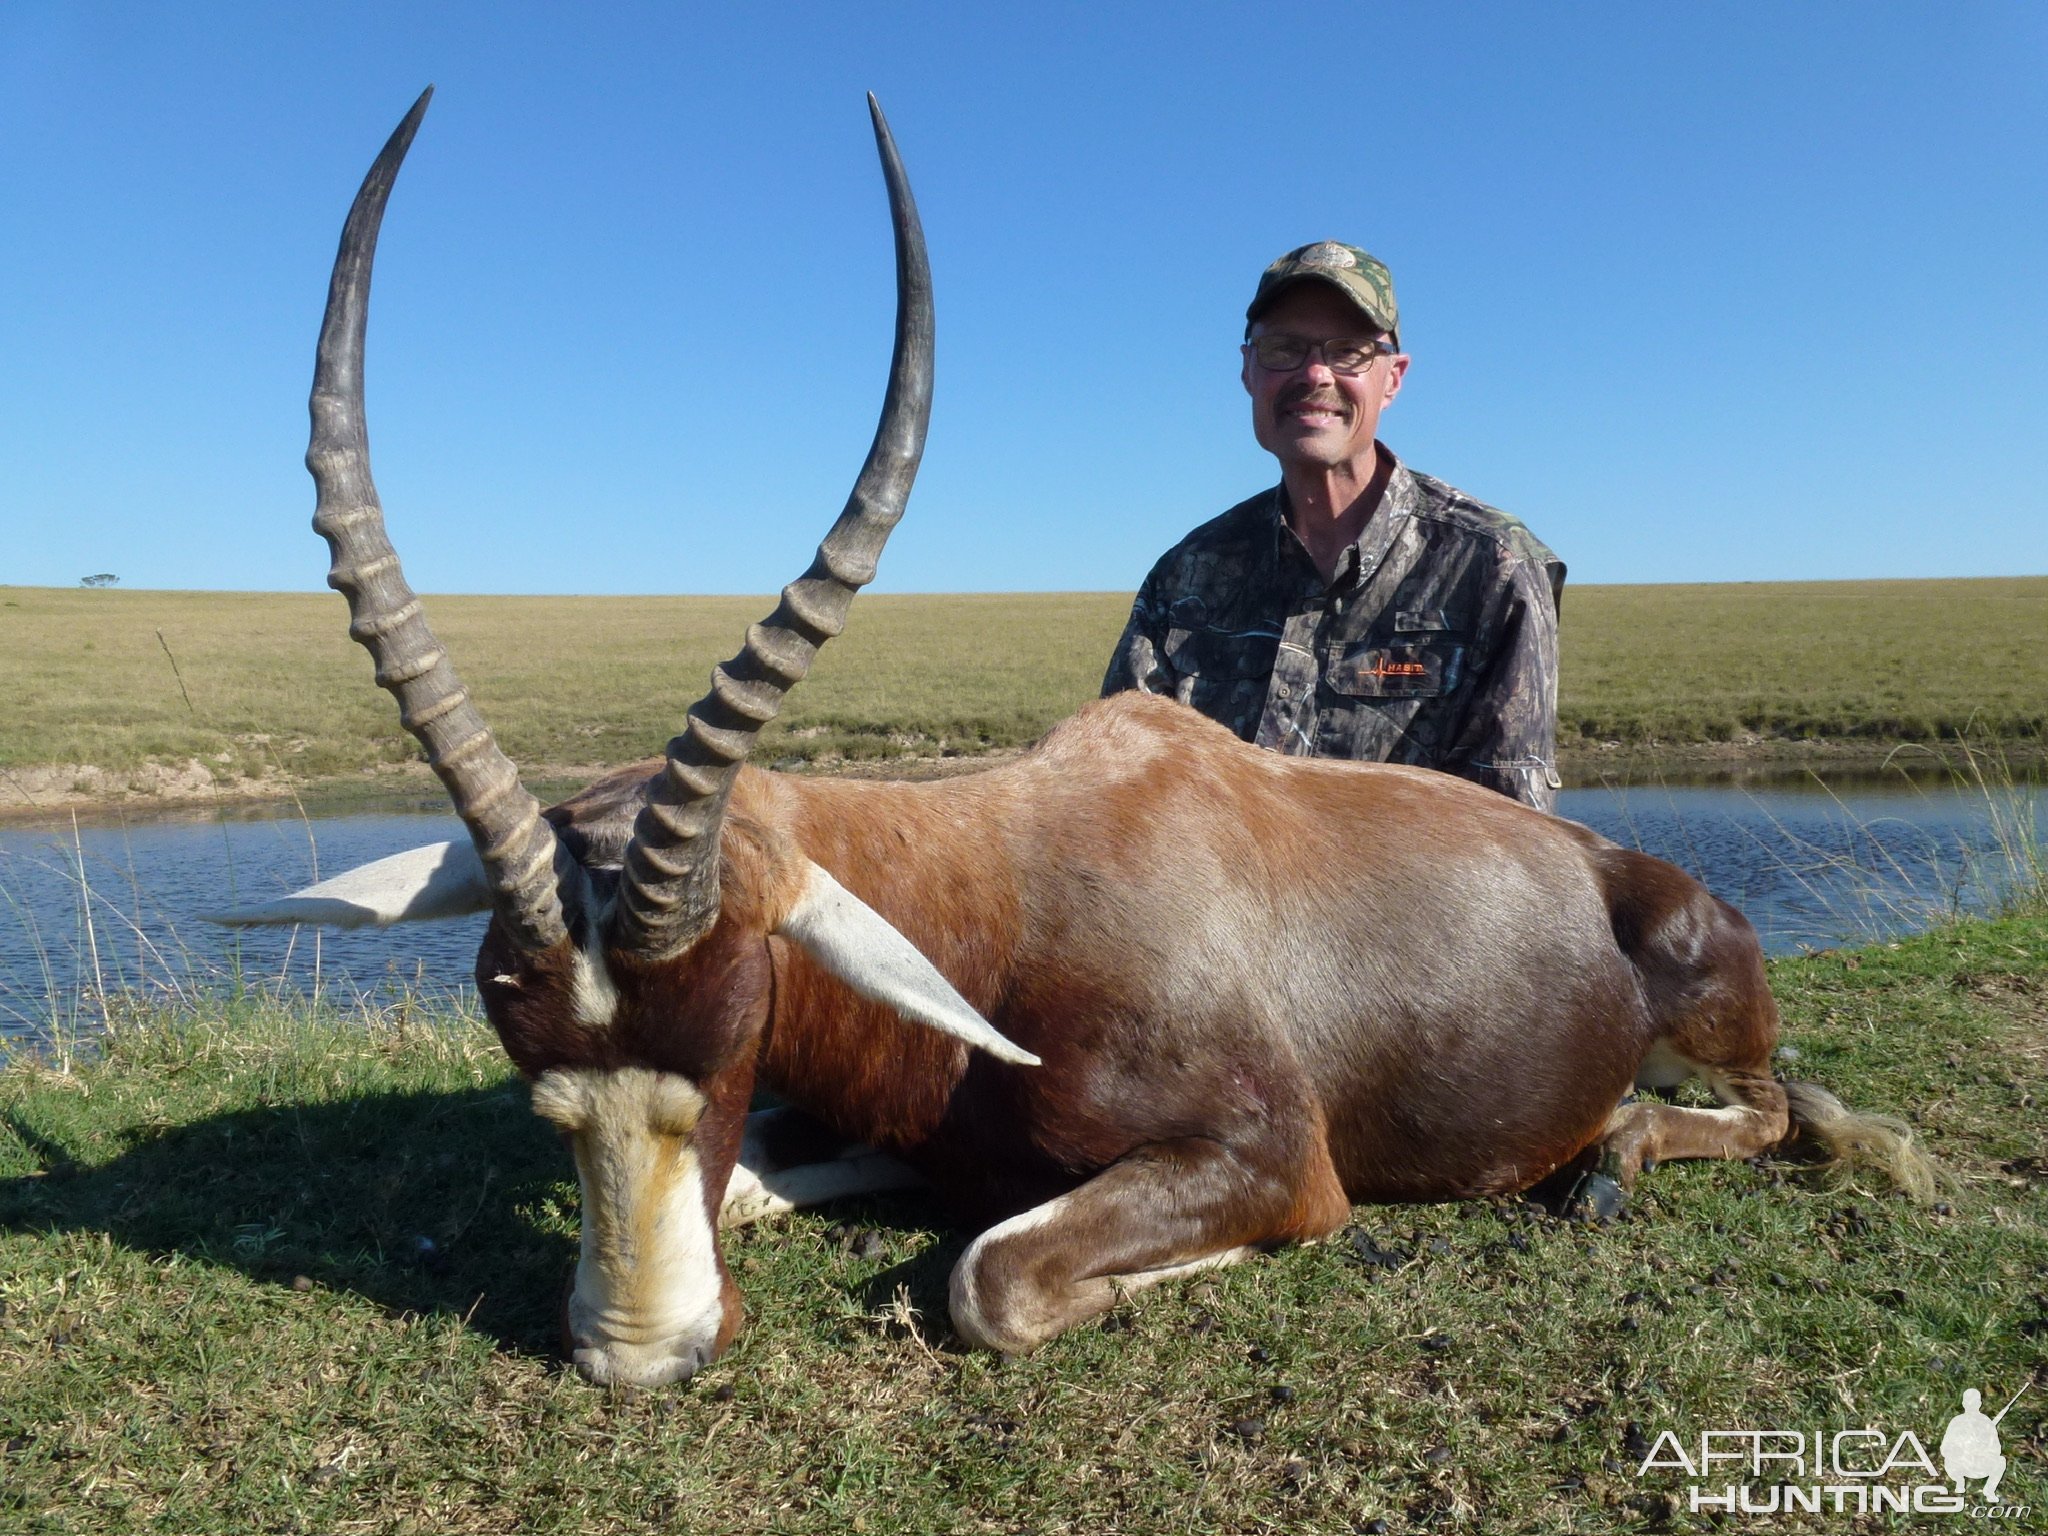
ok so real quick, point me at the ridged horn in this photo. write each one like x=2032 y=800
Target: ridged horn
x=518 y=848
x=668 y=897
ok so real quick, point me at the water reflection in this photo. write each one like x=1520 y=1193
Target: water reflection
x=113 y=906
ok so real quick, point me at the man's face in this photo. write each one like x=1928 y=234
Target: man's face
x=1311 y=417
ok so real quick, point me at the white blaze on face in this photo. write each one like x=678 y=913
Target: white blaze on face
x=593 y=995
x=648 y=1301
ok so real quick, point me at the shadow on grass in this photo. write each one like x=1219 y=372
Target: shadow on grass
x=424 y=1202
x=923 y=1279
x=420 y=1202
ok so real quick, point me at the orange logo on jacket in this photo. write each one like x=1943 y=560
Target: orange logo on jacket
x=1398 y=669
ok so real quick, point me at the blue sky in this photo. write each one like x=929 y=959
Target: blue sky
x=1702 y=292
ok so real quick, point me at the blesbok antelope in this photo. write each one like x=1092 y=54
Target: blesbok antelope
x=1143 y=1001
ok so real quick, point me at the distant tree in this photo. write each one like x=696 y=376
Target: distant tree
x=103 y=579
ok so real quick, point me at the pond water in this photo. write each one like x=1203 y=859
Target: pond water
x=113 y=905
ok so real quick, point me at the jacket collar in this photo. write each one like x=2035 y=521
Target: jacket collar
x=1363 y=557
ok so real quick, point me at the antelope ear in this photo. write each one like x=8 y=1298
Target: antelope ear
x=439 y=880
x=854 y=942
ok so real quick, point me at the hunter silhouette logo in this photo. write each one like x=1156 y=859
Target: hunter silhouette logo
x=1856 y=1471
x=1969 y=1446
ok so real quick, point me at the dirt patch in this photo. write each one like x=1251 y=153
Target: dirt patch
x=74 y=786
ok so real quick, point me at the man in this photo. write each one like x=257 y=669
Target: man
x=1357 y=609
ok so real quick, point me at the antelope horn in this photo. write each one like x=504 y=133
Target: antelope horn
x=668 y=896
x=519 y=850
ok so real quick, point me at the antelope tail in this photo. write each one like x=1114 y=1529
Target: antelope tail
x=1881 y=1143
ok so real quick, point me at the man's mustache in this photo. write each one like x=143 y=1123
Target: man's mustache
x=1313 y=395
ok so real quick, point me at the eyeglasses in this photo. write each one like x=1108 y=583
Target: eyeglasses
x=1283 y=353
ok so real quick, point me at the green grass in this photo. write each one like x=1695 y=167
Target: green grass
x=274 y=681
x=274 y=684
x=216 y=1314
x=1882 y=661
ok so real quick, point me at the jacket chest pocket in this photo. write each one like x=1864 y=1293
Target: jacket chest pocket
x=1400 y=667
x=1221 y=674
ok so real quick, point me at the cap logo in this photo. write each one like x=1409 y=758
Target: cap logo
x=1327 y=253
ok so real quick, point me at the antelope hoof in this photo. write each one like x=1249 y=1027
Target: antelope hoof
x=1595 y=1198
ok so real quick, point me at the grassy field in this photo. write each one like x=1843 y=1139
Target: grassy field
x=264 y=683
x=274 y=679
x=263 y=1271
x=1875 y=660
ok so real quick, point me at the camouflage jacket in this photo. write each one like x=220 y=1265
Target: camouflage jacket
x=1435 y=645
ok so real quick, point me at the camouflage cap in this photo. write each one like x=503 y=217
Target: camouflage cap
x=1360 y=276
